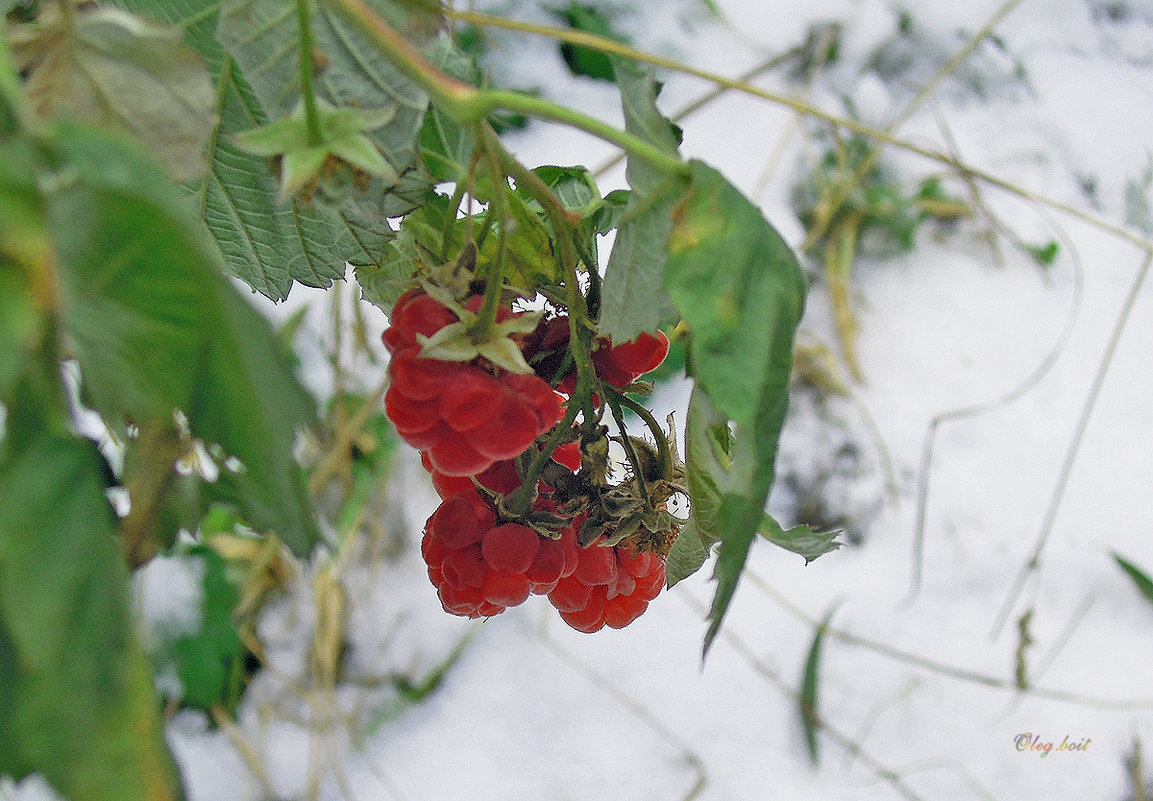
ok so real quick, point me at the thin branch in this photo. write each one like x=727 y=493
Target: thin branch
x=961 y=674
x=1033 y=563
x=805 y=108
x=1031 y=381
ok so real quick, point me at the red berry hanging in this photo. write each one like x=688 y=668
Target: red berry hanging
x=465 y=415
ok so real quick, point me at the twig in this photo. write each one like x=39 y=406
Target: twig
x=1033 y=563
x=961 y=674
x=974 y=410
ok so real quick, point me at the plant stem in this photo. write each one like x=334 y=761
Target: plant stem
x=467 y=104
x=486 y=317
x=563 y=224
x=613 y=400
x=664 y=454
x=520 y=500
x=670 y=164
x=307 y=90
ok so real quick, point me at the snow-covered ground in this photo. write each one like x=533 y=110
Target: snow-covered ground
x=916 y=687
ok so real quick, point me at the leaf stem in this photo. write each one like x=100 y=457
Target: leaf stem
x=563 y=225
x=530 y=106
x=486 y=317
x=307 y=90
x=664 y=454
x=520 y=500
x=614 y=402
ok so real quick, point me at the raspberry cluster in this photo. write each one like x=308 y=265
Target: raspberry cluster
x=477 y=425
x=464 y=416
x=481 y=567
x=611 y=586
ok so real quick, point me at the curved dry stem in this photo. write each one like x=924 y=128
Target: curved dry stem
x=974 y=410
x=1033 y=564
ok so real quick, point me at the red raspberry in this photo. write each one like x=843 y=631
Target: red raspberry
x=510 y=548
x=610 y=586
x=500 y=477
x=569 y=455
x=620 y=365
x=479 y=568
x=465 y=416
x=415 y=313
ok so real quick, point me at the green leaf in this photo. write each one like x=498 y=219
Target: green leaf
x=707 y=442
x=132 y=274
x=156 y=326
x=248 y=400
x=206 y=660
x=23 y=250
x=588 y=61
x=123 y=72
x=801 y=539
x=529 y=257
x=742 y=321
x=708 y=463
x=741 y=290
x=810 y=685
x=263 y=37
x=1141 y=580
x=445 y=145
x=266 y=243
x=78 y=703
x=381 y=284
x=689 y=551
x=635 y=299
x=343 y=139
x=575 y=187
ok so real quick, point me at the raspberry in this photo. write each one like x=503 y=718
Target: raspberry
x=610 y=586
x=510 y=548
x=506 y=589
x=471 y=398
x=547 y=567
x=597 y=565
x=619 y=365
x=641 y=355
x=465 y=415
x=500 y=477
x=590 y=617
x=415 y=313
x=479 y=568
x=569 y=455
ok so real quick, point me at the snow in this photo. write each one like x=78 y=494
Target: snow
x=535 y=710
